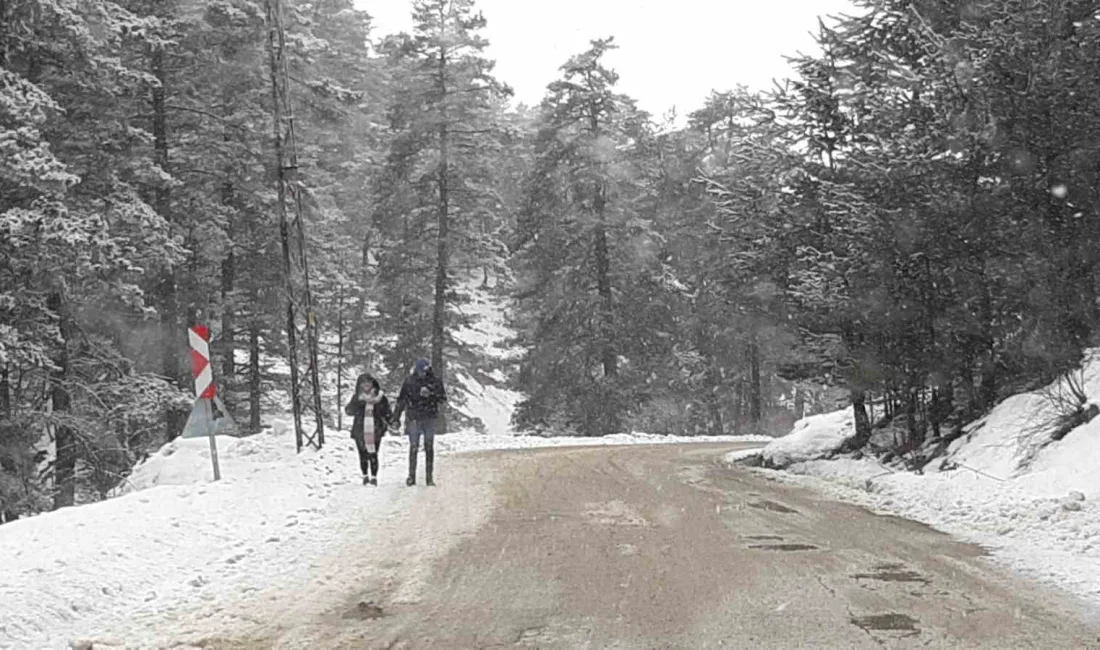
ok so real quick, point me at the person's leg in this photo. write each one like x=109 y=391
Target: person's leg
x=428 y=428
x=412 y=428
x=364 y=461
x=373 y=458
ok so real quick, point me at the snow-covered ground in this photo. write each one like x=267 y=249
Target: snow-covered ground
x=488 y=398
x=1036 y=506
x=178 y=558
x=178 y=544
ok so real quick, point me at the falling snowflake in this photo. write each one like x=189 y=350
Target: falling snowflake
x=1059 y=191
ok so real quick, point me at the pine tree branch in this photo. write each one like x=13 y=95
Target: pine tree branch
x=199 y=111
x=186 y=109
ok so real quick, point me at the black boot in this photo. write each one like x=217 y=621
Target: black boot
x=429 y=460
x=412 y=466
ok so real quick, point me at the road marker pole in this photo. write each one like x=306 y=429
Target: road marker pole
x=202 y=415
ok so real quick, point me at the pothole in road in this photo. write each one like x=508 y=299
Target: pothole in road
x=772 y=506
x=892 y=573
x=784 y=547
x=890 y=622
x=614 y=513
x=365 y=611
x=555 y=635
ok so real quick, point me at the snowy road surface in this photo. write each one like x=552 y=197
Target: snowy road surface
x=639 y=547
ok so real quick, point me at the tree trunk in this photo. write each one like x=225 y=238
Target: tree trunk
x=5 y=392
x=439 y=307
x=799 y=403
x=227 y=339
x=858 y=394
x=170 y=358
x=254 y=386
x=862 y=422
x=936 y=412
x=987 y=390
x=340 y=361
x=167 y=291
x=603 y=285
x=64 y=436
x=755 y=392
x=228 y=335
x=714 y=407
x=968 y=388
x=739 y=406
x=5 y=412
x=715 y=424
x=357 y=331
x=609 y=357
x=912 y=415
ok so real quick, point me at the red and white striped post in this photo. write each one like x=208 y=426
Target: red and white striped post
x=205 y=390
x=199 y=336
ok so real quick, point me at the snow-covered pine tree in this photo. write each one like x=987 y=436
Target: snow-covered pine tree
x=748 y=168
x=439 y=186
x=77 y=239
x=584 y=249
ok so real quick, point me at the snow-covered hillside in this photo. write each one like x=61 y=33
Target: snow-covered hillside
x=487 y=396
x=1036 y=505
x=179 y=557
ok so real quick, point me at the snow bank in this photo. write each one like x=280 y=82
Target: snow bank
x=187 y=461
x=1068 y=465
x=814 y=437
x=1013 y=441
x=743 y=455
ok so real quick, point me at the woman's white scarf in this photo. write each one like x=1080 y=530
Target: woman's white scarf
x=368 y=420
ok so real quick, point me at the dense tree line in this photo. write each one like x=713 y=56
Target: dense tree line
x=910 y=223
x=137 y=198
x=912 y=219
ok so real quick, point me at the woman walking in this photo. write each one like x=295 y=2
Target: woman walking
x=370 y=411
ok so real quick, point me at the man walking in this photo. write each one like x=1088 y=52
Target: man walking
x=421 y=394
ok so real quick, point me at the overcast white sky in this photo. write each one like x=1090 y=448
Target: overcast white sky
x=671 y=52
